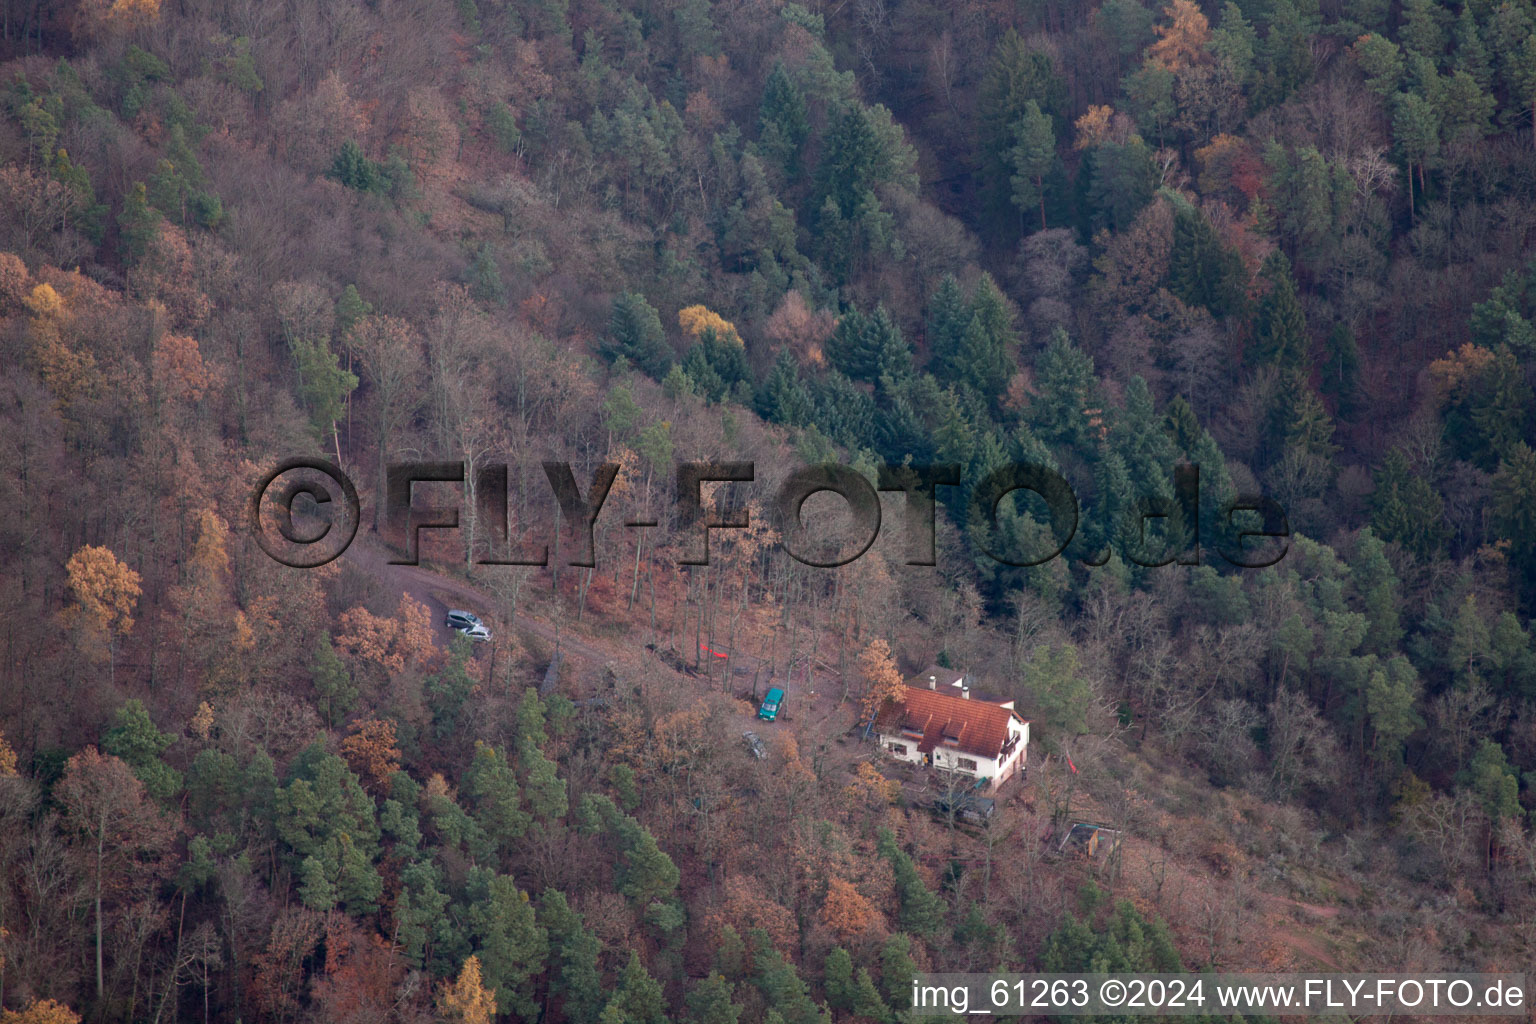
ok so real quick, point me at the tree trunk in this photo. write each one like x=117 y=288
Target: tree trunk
x=101 y=845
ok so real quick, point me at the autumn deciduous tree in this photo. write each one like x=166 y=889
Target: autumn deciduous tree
x=42 y=1011
x=371 y=752
x=695 y=320
x=803 y=331
x=106 y=593
x=388 y=352
x=846 y=911
x=392 y=644
x=869 y=788
x=465 y=999
x=1183 y=40
x=106 y=805
x=882 y=681
x=7 y=758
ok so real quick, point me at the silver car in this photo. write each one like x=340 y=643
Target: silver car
x=755 y=745
x=467 y=623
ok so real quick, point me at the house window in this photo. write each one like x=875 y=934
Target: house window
x=965 y=764
x=899 y=749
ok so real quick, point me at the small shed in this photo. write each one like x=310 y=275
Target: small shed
x=1089 y=839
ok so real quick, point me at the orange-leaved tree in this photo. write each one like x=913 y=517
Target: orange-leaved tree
x=371 y=752
x=882 y=681
x=846 y=911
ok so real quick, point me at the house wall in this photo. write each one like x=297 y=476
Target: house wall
x=891 y=743
x=947 y=758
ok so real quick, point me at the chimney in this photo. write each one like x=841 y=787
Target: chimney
x=933 y=683
x=965 y=693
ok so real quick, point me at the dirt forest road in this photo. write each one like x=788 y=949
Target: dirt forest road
x=810 y=699
x=436 y=590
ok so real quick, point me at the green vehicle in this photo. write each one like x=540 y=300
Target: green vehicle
x=769 y=709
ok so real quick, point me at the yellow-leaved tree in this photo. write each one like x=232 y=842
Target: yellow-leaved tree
x=1182 y=42
x=695 y=320
x=43 y=1011
x=106 y=593
x=467 y=999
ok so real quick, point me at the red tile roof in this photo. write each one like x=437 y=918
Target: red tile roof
x=977 y=726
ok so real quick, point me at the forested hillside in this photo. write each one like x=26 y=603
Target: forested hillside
x=1286 y=241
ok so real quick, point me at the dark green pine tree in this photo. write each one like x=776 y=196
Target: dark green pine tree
x=1498 y=405
x=983 y=362
x=867 y=1004
x=893 y=354
x=511 y=945
x=1202 y=271
x=1016 y=74
x=783 y=989
x=851 y=164
x=718 y=369
x=899 y=432
x=350 y=308
x=647 y=873
x=1066 y=390
x=637 y=998
x=579 y=981
x=782 y=398
x=896 y=970
x=731 y=954
x=709 y=1002
x=844 y=411
x=493 y=794
x=1280 y=334
x=1406 y=509
x=948 y=316
x=838 y=980
x=1341 y=371
x=545 y=789
x=354 y=170
x=1300 y=420
x=869 y=347
x=782 y=122
x=138 y=224
x=450 y=687
x=634 y=331
x=1514 y=514
x=1421 y=32
x=135 y=739
x=1182 y=424
x=845 y=349
x=1032 y=156
x=1378 y=586
x=921 y=910
x=484 y=277
x=1121 y=180
x=1471 y=54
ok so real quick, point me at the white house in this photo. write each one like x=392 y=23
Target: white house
x=940 y=723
